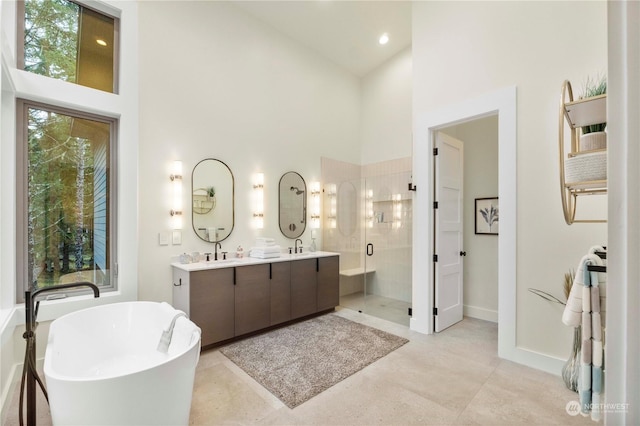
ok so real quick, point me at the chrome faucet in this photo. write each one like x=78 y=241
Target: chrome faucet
x=165 y=339
x=30 y=374
x=296 y=246
x=215 y=250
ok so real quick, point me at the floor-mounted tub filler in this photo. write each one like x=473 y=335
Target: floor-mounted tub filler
x=104 y=365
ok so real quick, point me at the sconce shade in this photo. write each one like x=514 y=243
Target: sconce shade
x=258 y=200
x=176 y=192
x=315 y=205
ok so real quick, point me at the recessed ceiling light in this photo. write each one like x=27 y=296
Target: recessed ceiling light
x=384 y=39
x=101 y=42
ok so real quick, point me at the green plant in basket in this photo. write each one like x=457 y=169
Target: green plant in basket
x=594 y=87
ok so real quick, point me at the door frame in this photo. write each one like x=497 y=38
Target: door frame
x=503 y=104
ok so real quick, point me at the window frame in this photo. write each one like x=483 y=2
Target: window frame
x=20 y=12
x=22 y=199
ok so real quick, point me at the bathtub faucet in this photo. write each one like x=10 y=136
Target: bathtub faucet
x=29 y=372
x=165 y=339
x=30 y=298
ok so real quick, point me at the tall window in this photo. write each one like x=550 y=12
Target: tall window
x=68 y=41
x=67 y=185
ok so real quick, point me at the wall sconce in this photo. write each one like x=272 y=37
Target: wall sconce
x=332 y=213
x=315 y=205
x=258 y=204
x=176 y=189
x=368 y=197
x=397 y=210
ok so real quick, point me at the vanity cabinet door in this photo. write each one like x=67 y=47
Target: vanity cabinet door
x=211 y=304
x=252 y=298
x=328 y=282
x=280 y=292
x=303 y=288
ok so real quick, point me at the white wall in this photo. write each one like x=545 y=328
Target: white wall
x=386 y=110
x=462 y=50
x=218 y=83
x=480 y=138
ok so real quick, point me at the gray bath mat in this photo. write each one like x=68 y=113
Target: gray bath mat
x=298 y=362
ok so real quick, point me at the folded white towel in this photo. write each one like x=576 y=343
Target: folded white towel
x=262 y=244
x=270 y=249
x=258 y=255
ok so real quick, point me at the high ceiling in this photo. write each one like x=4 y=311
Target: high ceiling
x=346 y=32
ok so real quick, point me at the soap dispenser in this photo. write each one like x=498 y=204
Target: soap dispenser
x=312 y=246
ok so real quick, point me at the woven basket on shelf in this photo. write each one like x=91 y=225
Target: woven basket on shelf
x=586 y=167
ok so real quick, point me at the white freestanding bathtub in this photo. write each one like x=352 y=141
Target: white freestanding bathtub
x=102 y=366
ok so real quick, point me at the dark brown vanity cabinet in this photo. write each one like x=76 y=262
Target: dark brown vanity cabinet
x=303 y=288
x=232 y=301
x=252 y=298
x=280 y=279
x=315 y=285
x=328 y=283
x=211 y=300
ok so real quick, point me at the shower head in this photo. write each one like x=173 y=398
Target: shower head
x=298 y=191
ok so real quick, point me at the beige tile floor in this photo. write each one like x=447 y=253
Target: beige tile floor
x=452 y=378
x=378 y=306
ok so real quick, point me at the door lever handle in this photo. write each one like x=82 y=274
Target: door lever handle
x=463 y=253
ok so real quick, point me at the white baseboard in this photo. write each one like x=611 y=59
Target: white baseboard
x=480 y=313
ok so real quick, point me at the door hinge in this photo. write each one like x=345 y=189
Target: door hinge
x=435 y=257
x=435 y=204
x=410 y=311
x=435 y=311
x=435 y=151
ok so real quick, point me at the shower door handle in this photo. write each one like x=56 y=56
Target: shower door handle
x=369 y=249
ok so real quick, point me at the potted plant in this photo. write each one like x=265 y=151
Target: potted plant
x=211 y=192
x=571 y=368
x=594 y=136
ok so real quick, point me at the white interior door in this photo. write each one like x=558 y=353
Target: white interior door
x=449 y=169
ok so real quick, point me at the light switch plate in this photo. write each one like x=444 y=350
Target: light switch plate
x=176 y=237
x=163 y=238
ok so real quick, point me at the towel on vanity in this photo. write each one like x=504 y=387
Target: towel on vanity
x=265 y=242
x=266 y=250
x=262 y=255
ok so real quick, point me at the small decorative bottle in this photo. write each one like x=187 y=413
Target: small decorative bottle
x=312 y=246
x=239 y=252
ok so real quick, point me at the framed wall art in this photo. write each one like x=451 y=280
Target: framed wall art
x=487 y=216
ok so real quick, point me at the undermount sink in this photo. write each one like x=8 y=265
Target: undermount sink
x=301 y=254
x=220 y=261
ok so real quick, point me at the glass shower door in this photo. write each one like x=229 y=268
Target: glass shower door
x=387 y=247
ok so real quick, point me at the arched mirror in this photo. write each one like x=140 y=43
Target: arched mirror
x=212 y=198
x=292 y=205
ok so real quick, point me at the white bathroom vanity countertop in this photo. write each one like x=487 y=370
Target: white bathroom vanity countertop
x=244 y=261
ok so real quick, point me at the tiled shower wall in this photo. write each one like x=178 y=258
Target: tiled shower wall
x=370 y=204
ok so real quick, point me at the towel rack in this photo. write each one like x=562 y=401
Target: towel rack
x=601 y=254
x=596 y=268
